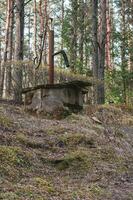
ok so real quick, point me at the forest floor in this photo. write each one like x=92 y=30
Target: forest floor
x=88 y=156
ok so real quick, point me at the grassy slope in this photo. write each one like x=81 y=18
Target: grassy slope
x=84 y=157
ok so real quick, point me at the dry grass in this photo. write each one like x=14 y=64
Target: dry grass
x=74 y=158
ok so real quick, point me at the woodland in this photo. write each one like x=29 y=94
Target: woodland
x=66 y=100
x=96 y=36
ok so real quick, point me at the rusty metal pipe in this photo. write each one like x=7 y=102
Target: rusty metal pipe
x=51 y=57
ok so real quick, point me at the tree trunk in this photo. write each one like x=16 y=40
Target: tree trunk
x=0 y=49
x=35 y=29
x=41 y=26
x=46 y=22
x=10 y=50
x=99 y=40
x=19 y=43
x=74 y=27
x=95 y=44
x=123 y=49
x=62 y=26
x=101 y=53
x=81 y=34
x=5 y=50
x=29 y=34
x=108 y=39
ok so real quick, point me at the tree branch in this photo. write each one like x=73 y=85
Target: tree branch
x=27 y=2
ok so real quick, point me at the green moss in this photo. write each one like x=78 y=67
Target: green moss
x=96 y=191
x=43 y=184
x=29 y=142
x=9 y=195
x=14 y=156
x=5 y=121
x=74 y=118
x=51 y=131
x=107 y=154
x=77 y=160
x=36 y=188
x=56 y=130
x=76 y=139
x=12 y=159
x=27 y=191
x=21 y=138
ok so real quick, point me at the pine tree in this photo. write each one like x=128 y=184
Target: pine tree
x=19 y=43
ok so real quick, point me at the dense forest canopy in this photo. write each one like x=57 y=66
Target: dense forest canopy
x=96 y=35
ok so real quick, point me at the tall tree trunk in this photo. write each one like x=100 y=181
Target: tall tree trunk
x=123 y=48
x=35 y=29
x=62 y=26
x=74 y=29
x=46 y=38
x=81 y=34
x=43 y=28
x=10 y=50
x=0 y=49
x=108 y=38
x=19 y=43
x=129 y=6
x=99 y=40
x=5 y=50
x=95 y=44
x=29 y=34
x=101 y=53
x=41 y=25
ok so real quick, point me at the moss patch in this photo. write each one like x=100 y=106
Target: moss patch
x=43 y=185
x=5 y=121
x=72 y=140
x=33 y=188
x=97 y=192
x=12 y=159
x=77 y=160
x=32 y=143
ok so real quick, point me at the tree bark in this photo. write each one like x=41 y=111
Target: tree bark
x=5 y=50
x=74 y=29
x=29 y=34
x=35 y=29
x=101 y=53
x=123 y=49
x=81 y=34
x=108 y=40
x=95 y=44
x=0 y=49
x=10 y=50
x=19 y=43
x=99 y=40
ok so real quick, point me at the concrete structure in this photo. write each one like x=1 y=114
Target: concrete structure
x=48 y=98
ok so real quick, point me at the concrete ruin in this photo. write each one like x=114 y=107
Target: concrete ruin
x=53 y=97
